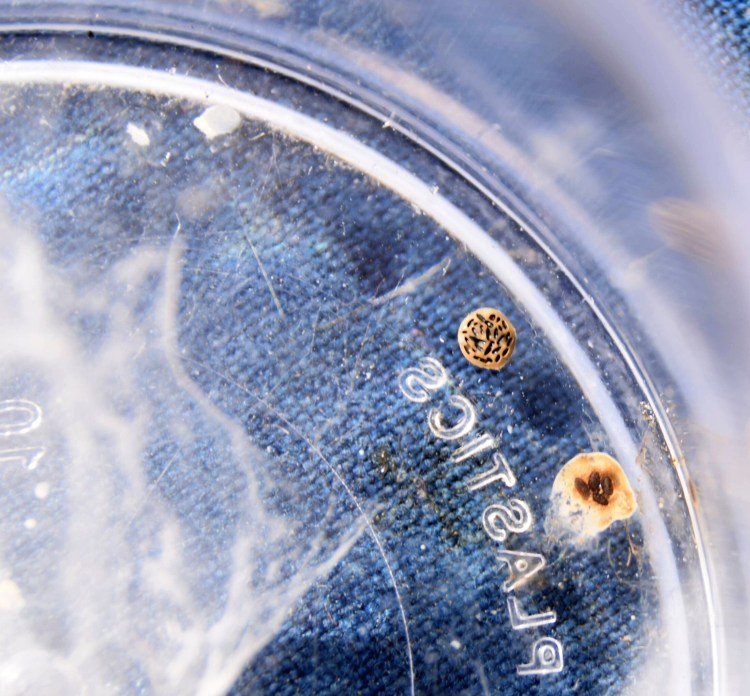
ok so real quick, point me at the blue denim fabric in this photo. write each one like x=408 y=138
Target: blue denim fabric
x=719 y=33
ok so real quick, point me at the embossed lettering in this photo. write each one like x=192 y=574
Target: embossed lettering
x=500 y=471
x=461 y=427
x=522 y=566
x=520 y=620
x=473 y=447
x=28 y=457
x=19 y=416
x=546 y=658
x=417 y=383
x=513 y=517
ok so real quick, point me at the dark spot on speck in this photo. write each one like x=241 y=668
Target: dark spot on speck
x=600 y=487
x=582 y=488
x=600 y=498
x=594 y=480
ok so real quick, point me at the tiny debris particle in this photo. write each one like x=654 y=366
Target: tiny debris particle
x=269 y=8
x=455 y=644
x=138 y=135
x=11 y=597
x=487 y=338
x=217 y=120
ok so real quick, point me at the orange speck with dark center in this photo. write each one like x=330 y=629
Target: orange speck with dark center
x=590 y=493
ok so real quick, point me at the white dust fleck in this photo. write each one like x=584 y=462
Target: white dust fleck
x=265 y=8
x=138 y=135
x=216 y=120
x=11 y=596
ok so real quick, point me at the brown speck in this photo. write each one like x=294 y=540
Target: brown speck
x=486 y=338
x=693 y=492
